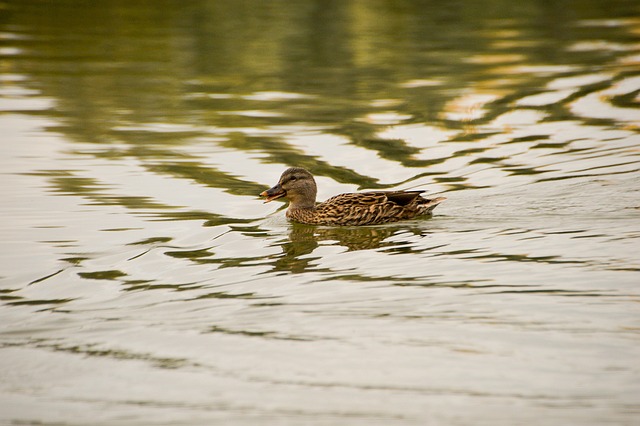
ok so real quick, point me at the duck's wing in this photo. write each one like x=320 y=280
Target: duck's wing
x=366 y=199
x=401 y=197
x=368 y=207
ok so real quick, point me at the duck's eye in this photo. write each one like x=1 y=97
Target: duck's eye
x=293 y=178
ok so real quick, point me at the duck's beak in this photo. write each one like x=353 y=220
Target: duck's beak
x=273 y=193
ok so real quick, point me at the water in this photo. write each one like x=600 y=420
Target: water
x=144 y=282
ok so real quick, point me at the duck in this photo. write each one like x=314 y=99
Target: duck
x=350 y=209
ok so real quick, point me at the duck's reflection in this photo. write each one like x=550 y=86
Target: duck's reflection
x=305 y=239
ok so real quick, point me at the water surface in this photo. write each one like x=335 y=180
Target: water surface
x=142 y=281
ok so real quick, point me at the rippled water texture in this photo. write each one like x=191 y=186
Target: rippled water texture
x=144 y=282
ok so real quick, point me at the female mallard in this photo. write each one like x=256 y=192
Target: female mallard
x=365 y=208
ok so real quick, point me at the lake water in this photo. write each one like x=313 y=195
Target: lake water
x=143 y=281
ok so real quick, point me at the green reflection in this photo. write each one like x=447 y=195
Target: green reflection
x=102 y=275
x=305 y=239
x=146 y=81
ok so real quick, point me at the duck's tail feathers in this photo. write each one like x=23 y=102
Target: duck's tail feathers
x=427 y=206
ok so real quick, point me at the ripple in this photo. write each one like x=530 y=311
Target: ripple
x=140 y=262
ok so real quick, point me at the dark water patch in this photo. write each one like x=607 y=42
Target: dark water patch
x=102 y=275
x=5 y=294
x=631 y=269
x=190 y=254
x=76 y=185
x=530 y=138
x=75 y=261
x=258 y=334
x=9 y=297
x=488 y=160
x=392 y=149
x=226 y=295
x=627 y=100
x=46 y=277
x=590 y=236
x=94 y=350
x=147 y=285
x=500 y=257
x=522 y=171
x=563 y=293
x=60 y=243
x=472 y=136
x=440 y=281
x=349 y=276
x=32 y=302
x=228 y=262
x=151 y=240
x=551 y=145
x=450 y=179
x=568 y=231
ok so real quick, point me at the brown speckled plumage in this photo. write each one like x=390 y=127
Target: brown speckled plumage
x=364 y=208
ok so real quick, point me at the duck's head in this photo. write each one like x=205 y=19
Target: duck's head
x=298 y=185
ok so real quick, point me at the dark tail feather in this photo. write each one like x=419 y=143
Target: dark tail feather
x=427 y=206
x=402 y=197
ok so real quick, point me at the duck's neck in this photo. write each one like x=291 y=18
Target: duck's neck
x=302 y=205
x=303 y=199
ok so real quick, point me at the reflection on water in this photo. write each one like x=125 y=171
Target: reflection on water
x=141 y=273
x=303 y=240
